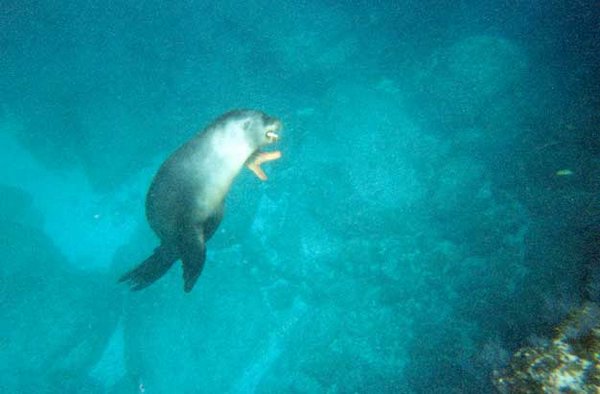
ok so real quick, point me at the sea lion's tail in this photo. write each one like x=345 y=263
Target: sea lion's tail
x=151 y=269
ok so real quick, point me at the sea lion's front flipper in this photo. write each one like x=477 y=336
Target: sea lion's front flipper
x=193 y=254
x=257 y=159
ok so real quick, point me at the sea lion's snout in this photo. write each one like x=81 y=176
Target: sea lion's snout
x=272 y=130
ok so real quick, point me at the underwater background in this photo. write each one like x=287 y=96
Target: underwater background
x=436 y=207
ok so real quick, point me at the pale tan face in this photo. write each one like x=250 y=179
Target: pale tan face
x=272 y=131
x=261 y=128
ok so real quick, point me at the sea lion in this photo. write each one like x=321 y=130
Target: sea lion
x=184 y=204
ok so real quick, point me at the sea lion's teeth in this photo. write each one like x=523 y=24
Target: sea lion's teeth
x=273 y=135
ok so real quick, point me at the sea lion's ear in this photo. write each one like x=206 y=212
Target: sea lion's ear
x=247 y=124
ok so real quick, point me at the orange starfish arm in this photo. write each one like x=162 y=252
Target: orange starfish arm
x=258 y=159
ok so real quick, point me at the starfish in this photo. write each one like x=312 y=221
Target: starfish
x=261 y=157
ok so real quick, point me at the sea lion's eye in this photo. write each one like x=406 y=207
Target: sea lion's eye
x=247 y=124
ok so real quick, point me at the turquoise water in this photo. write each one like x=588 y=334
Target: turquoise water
x=436 y=206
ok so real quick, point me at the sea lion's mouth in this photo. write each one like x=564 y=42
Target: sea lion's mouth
x=271 y=128
x=272 y=131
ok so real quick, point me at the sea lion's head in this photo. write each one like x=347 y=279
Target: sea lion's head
x=240 y=135
x=257 y=129
x=260 y=128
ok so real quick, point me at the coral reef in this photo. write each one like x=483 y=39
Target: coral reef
x=570 y=363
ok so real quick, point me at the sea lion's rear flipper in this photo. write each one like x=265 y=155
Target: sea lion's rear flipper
x=193 y=254
x=151 y=269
